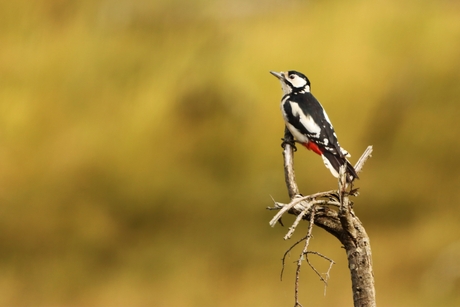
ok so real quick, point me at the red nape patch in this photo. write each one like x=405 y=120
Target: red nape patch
x=313 y=147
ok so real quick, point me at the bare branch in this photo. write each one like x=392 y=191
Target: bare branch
x=364 y=157
x=340 y=221
x=344 y=210
x=296 y=222
x=331 y=262
x=286 y=207
x=283 y=260
x=288 y=154
x=304 y=252
x=303 y=203
x=300 y=203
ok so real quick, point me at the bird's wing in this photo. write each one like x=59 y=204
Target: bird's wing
x=307 y=115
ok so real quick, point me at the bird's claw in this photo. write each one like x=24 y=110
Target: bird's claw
x=289 y=142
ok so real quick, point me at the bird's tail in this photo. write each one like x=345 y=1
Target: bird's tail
x=333 y=163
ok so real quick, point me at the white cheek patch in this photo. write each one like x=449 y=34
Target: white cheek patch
x=298 y=82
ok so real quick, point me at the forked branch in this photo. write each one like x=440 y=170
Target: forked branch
x=332 y=211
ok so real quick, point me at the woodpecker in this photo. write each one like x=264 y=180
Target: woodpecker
x=308 y=122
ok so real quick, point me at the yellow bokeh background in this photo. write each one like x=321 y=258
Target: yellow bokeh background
x=140 y=146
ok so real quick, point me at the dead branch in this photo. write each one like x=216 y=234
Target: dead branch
x=302 y=255
x=341 y=222
x=331 y=262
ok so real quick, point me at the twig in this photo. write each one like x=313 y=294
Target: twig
x=296 y=222
x=283 y=260
x=298 y=199
x=364 y=157
x=304 y=252
x=286 y=207
x=331 y=262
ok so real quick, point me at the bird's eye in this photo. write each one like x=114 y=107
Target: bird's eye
x=291 y=76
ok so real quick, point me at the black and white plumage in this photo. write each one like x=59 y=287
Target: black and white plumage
x=309 y=124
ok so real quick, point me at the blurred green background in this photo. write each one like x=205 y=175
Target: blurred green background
x=140 y=145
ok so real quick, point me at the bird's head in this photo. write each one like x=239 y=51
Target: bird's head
x=292 y=81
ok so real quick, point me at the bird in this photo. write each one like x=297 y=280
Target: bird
x=308 y=122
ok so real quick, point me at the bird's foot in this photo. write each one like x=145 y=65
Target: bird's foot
x=290 y=142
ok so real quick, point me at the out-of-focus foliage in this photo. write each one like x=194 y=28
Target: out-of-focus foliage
x=140 y=144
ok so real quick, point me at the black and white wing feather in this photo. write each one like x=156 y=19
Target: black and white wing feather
x=307 y=116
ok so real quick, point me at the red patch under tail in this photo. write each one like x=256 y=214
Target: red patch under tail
x=313 y=147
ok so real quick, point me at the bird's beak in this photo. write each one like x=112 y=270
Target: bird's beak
x=277 y=74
